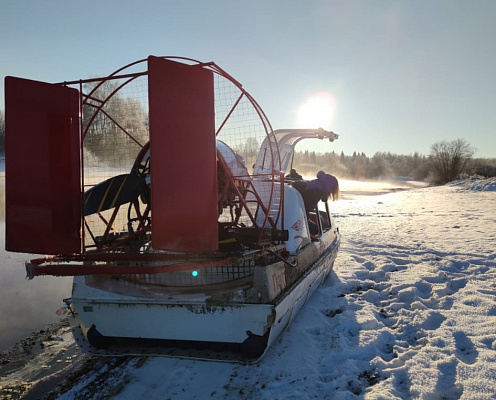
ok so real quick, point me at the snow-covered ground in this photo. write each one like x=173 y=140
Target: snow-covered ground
x=409 y=312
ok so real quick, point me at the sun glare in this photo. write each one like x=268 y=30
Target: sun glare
x=317 y=111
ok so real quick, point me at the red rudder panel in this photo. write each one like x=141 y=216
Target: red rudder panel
x=182 y=157
x=42 y=154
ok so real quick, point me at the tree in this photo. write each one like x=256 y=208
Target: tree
x=114 y=125
x=379 y=167
x=449 y=159
x=312 y=158
x=96 y=124
x=250 y=148
x=400 y=166
x=358 y=166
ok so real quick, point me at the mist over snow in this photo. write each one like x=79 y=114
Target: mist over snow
x=409 y=312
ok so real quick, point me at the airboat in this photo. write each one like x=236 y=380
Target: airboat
x=162 y=190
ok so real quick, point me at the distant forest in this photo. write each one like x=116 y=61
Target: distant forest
x=382 y=165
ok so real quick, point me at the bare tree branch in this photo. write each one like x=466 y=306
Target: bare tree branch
x=449 y=159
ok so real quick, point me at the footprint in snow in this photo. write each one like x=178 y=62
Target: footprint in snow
x=359 y=260
x=401 y=382
x=424 y=289
x=465 y=349
x=446 y=303
x=433 y=321
x=456 y=284
x=446 y=384
x=452 y=287
x=401 y=261
x=492 y=312
x=385 y=346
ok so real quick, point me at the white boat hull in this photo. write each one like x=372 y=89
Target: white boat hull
x=169 y=324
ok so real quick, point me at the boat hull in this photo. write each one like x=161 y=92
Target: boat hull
x=194 y=324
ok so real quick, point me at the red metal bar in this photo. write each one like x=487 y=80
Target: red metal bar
x=153 y=257
x=109 y=269
x=229 y=113
x=97 y=256
x=91 y=80
x=110 y=226
x=84 y=225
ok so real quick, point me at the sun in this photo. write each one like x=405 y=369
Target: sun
x=317 y=111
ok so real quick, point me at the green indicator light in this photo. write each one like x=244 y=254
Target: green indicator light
x=194 y=273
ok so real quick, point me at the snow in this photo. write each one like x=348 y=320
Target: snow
x=409 y=312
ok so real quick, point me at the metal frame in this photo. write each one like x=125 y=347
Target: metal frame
x=105 y=250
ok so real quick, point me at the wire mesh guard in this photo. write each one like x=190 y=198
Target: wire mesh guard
x=116 y=135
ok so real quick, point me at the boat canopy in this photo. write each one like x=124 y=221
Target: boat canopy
x=286 y=140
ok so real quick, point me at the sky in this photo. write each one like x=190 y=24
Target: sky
x=385 y=75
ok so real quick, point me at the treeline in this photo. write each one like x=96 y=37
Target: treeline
x=383 y=165
x=386 y=165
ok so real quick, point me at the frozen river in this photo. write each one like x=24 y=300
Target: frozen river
x=25 y=305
